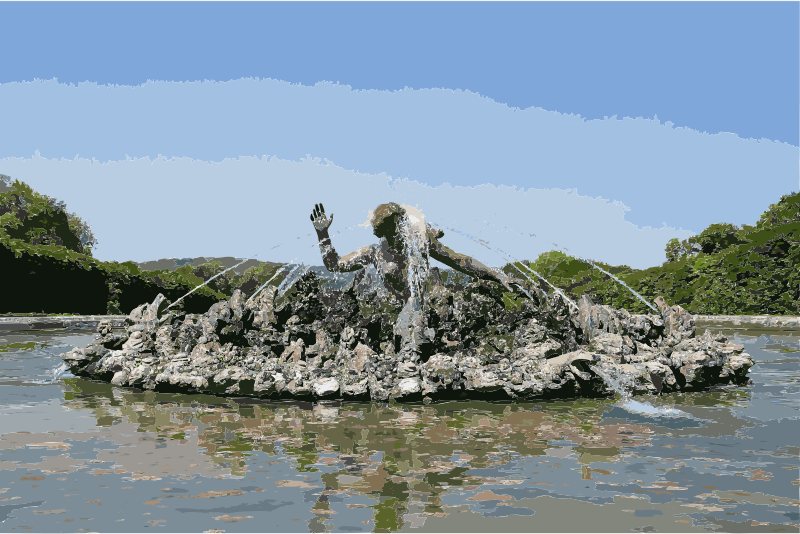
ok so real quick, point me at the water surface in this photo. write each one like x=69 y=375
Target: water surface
x=77 y=455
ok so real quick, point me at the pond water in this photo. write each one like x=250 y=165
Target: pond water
x=76 y=455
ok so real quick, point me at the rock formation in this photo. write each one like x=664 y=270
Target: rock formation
x=482 y=342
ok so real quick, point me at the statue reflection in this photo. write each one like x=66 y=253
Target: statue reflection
x=401 y=457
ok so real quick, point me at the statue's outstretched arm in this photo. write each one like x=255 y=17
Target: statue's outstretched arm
x=351 y=262
x=461 y=262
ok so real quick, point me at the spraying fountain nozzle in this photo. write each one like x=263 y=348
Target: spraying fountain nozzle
x=567 y=299
x=523 y=290
x=620 y=281
x=210 y=279
x=267 y=282
x=291 y=279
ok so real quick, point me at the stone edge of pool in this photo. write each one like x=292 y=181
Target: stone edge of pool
x=66 y=321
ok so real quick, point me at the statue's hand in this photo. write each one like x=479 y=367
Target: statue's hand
x=320 y=220
x=506 y=280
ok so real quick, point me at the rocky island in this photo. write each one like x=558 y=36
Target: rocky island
x=319 y=342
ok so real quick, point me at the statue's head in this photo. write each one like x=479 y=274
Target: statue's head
x=386 y=220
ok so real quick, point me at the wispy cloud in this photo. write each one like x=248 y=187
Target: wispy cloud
x=144 y=209
x=662 y=172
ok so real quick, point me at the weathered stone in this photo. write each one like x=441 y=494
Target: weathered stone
x=570 y=357
x=342 y=344
x=594 y=319
x=119 y=378
x=408 y=386
x=677 y=321
x=356 y=389
x=441 y=372
x=325 y=387
x=407 y=369
x=294 y=352
x=483 y=380
x=86 y=356
x=362 y=357
x=611 y=344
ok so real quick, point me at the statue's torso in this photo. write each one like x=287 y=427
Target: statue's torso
x=392 y=265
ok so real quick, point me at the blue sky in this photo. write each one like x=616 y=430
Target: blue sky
x=530 y=95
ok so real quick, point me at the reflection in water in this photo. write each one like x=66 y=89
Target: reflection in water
x=394 y=455
x=402 y=458
x=583 y=464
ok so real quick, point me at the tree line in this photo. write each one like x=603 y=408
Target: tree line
x=724 y=270
x=46 y=266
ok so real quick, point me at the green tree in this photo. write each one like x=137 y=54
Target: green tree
x=719 y=237
x=673 y=250
x=677 y=250
x=83 y=231
x=41 y=220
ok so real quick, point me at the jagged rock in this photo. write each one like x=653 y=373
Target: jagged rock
x=677 y=322
x=149 y=312
x=294 y=352
x=119 y=378
x=226 y=320
x=377 y=390
x=435 y=277
x=323 y=347
x=325 y=387
x=348 y=338
x=136 y=343
x=645 y=328
x=533 y=340
x=362 y=357
x=611 y=344
x=108 y=337
x=441 y=373
x=483 y=379
x=300 y=379
x=262 y=307
x=324 y=343
x=408 y=369
x=139 y=374
x=595 y=319
x=571 y=357
x=87 y=356
x=356 y=389
x=407 y=386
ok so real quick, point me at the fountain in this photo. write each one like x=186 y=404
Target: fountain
x=410 y=334
x=274 y=276
x=56 y=373
x=209 y=280
x=291 y=279
x=626 y=402
x=590 y=262
x=626 y=286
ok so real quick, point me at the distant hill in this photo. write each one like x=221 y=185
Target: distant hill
x=335 y=281
x=172 y=264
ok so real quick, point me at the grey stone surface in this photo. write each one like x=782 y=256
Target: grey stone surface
x=319 y=342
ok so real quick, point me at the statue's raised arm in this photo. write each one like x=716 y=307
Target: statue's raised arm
x=351 y=262
x=461 y=262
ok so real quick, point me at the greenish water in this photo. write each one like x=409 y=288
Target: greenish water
x=77 y=455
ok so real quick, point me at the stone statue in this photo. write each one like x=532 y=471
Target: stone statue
x=401 y=260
